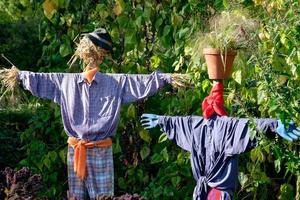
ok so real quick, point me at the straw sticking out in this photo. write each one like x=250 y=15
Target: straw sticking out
x=9 y=85
x=8 y=78
x=88 y=52
x=181 y=81
x=7 y=59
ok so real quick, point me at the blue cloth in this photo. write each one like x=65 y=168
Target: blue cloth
x=91 y=111
x=214 y=145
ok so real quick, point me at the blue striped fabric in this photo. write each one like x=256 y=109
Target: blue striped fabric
x=100 y=174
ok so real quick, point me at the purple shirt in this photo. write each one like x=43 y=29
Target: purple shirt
x=92 y=111
x=214 y=145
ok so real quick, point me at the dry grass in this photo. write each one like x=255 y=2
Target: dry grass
x=88 y=52
x=10 y=91
x=181 y=81
x=8 y=77
x=234 y=29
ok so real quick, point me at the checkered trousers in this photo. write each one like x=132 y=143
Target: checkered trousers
x=100 y=174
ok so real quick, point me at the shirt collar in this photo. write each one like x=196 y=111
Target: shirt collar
x=96 y=79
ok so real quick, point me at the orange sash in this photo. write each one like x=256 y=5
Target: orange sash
x=80 y=147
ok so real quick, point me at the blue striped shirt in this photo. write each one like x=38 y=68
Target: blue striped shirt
x=92 y=111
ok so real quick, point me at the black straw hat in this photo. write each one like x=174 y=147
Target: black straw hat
x=101 y=38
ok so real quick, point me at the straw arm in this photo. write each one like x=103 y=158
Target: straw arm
x=181 y=80
x=8 y=78
x=10 y=91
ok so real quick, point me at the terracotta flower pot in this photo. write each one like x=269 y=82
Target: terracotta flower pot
x=215 y=65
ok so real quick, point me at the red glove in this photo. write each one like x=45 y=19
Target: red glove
x=214 y=102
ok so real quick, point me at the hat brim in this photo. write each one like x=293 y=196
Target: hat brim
x=100 y=42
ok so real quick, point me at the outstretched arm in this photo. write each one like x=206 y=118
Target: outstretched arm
x=139 y=86
x=44 y=85
x=290 y=133
x=238 y=136
x=176 y=128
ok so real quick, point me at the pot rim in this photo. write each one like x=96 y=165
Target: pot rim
x=216 y=51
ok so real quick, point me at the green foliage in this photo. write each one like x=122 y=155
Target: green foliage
x=151 y=35
x=45 y=144
x=12 y=123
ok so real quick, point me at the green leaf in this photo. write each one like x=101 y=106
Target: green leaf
x=63 y=155
x=47 y=162
x=52 y=155
x=272 y=105
x=138 y=21
x=176 y=20
x=166 y=30
x=119 y=7
x=24 y=3
x=121 y=183
x=225 y=3
x=53 y=177
x=130 y=40
x=156 y=158
x=50 y=8
x=155 y=61
x=147 y=14
x=286 y=192
x=65 y=49
x=243 y=178
x=237 y=76
x=145 y=135
x=24 y=162
x=117 y=147
x=178 y=64
x=165 y=154
x=180 y=158
x=175 y=181
x=163 y=137
x=63 y=3
x=168 y=192
x=205 y=84
x=261 y=97
x=183 y=32
x=131 y=111
x=123 y=22
x=144 y=152
x=158 y=23
x=277 y=165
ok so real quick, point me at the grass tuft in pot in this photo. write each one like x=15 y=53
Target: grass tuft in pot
x=229 y=32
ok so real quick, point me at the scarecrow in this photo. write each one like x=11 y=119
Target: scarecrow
x=215 y=141
x=90 y=107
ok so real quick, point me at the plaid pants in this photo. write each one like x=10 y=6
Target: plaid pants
x=100 y=174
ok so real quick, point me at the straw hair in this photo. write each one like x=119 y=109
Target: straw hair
x=88 y=52
x=181 y=80
x=10 y=91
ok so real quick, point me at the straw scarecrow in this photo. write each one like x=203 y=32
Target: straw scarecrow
x=90 y=107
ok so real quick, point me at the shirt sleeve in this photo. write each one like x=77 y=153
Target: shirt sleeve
x=44 y=85
x=178 y=129
x=238 y=134
x=138 y=86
